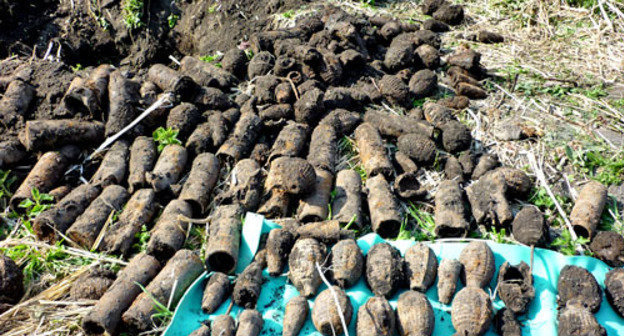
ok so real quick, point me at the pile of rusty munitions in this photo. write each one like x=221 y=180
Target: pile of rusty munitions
x=273 y=148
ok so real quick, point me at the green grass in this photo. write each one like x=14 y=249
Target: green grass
x=212 y=59
x=288 y=14
x=6 y=181
x=249 y=53
x=140 y=239
x=423 y=224
x=133 y=13
x=172 y=20
x=346 y=147
x=77 y=67
x=166 y=136
x=163 y=314
x=597 y=164
x=38 y=203
x=566 y=245
x=611 y=219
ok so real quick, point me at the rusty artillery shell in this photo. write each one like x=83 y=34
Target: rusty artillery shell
x=343 y=121
x=209 y=136
x=250 y=323
x=488 y=201
x=415 y=314
x=347 y=263
x=323 y=152
x=529 y=227
x=209 y=98
x=114 y=166
x=328 y=231
x=278 y=246
x=224 y=239
x=47 y=134
x=223 y=325
x=376 y=318
x=421 y=267
x=60 y=216
x=518 y=183
x=577 y=284
x=576 y=320
x=450 y=212
x=408 y=187
x=304 y=256
x=486 y=163
x=309 y=107
x=290 y=141
x=313 y=207
x=11 y=281
x=89 y=95
x=506 y=324
x=137 y=212
x=614 y=289
x=242 y=139
x=245 y=185
x=384 y=269
x=142 y=159
x=248 y=285
x=203 y=330
x=372 y=151
x=608 y=246
x=478 y=261
x=92 y=285
x=168 y=168
x=471 y=312
x=206 y=74
x=276 y=206
x=325 y=313
x=123 y=100
x=11 y=152
x=106 y=314
x=168 y=79
x=515 y=286
x=347 y=203
x=588 y=208
x=168 y=286
x=448 y=275
x=292 y=175
x=383 y=206
x=394 y=125
x=169 y=232
x=202 y=178
x=44 y=175
x=216 y=292
x=183 y=118
x=15 y=101
x=418 y=147
x=295 y=315
x=87 y=226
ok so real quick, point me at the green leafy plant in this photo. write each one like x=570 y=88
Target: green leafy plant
x=77 y=67
x=141 y=238
x=612 y=219
x=249 y=53
x=213 y=8
x=6 y=180
x=424 y=220
x=288 y=14
x=166 y=136
x=212 y=59
x=368 y=3
x=499 y=236
x=163 y=314
x=35 y=205
x=172 y=20
x=566 y=244
x=595 y=163
x=133 y=13
x=404 y=232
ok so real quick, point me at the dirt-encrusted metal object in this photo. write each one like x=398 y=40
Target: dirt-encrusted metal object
x=183 y=118
x=614 y=289
x=168 y=168
x=478 y=264
x=114 y=166
x=384 y=208
x=290 y=141
x=304 y=256
x=137 y=212
x=515 y=286
x=209 y=136
x=278 y=246
x=277 y=205
x=450 y=211
x=60 y=217
x=384 y=269
x=11 y=281
x=203 y=330
x=415 y=314
x=376 y=318
x=168 y=79
x=448 y=276
x=168 y=286
x=169 y=232
x=323 y=152
x=518 y=183
x=124 y=99
x=577 y=284
x=347 y=263
x=245 y=185
x=372 y=151
x=291 y=174
x=588 y=208
x=49 y=134
x=487 y=200
x=250 y=323
x=506 y=323
x=471 y=312
x=143 y=155
x=529 y=227
x=87 y=226
x=326 y=313
x=313 y=207
x=216 y=292
x=608 y=246
x=202 y=178
x=421 y=267
x=224 y=239
x=486 y=163
x=248 y=285
x=347 y=202
x=576 y=320
x=106 y=314
x=328 y=232
x=295 y=315
x=418 y=147
x=394 y=125
x=92 y=285
x=223 y=325
x=241 y=141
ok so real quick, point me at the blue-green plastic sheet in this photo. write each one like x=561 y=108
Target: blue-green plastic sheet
x=276 y=291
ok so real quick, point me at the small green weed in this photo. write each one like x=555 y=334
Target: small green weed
x=288 y=14
x=77 y=67
x=35 y=205
x=141 y=238
x=172 y=20
x=368 y=3
x=6 y=180
x=612 y=219
x=163 y=314
x=166 y=136
x=424 y=220
x=212 y=59
x=133 y=13
x=249 y=53
x=596 y=164
x=213 y=8
x=566 y=244
x=499 y=236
